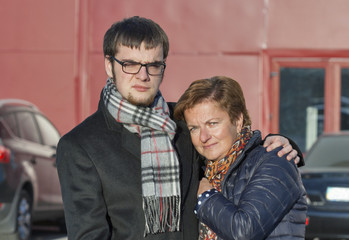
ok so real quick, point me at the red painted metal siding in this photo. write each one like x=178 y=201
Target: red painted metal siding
x=37 y=56
x=51 y=51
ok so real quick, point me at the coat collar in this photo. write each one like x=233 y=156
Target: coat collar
x=129 y=140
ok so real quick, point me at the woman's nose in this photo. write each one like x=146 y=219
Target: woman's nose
x=204 y=135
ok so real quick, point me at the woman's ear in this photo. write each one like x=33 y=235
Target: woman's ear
x=108 y=66
x=239 y=123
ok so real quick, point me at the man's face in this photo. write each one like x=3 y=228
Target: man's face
x=140 y=88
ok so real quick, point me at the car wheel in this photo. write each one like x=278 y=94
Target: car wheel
x=24 y=216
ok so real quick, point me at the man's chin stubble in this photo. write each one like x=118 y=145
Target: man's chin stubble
x=135 y=102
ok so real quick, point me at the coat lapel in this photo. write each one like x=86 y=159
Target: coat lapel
x=131 y=142
x=186 y=156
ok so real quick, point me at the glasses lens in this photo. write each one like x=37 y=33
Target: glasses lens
x=152 y=68
x=131 y=67
x=155 y=69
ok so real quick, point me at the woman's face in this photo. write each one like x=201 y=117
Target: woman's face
x=211 y=130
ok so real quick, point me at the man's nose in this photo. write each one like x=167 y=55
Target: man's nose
x=143 y=74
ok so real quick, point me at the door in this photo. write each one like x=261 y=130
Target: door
x=50 y=137
x=310 y=96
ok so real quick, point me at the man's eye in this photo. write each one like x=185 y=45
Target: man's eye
x=130 y=64
x=213 y=123
x=155 y=66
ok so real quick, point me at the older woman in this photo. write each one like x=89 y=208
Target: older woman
x=248 y=193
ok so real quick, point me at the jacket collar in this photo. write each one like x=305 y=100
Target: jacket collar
x=129 y=140
x=254 y=141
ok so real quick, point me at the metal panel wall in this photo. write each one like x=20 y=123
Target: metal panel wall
x=51 y=51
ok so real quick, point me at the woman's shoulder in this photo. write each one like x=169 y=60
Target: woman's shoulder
x=258 y=157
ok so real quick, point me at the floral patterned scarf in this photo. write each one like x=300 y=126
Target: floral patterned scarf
x=216 y=170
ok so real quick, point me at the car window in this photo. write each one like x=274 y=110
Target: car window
x=4 y=134
x=329 y=151
x=11 y=122
x=27 y=127
x=49 y=133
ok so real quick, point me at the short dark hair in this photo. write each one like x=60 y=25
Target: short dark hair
x=225 y=91
x=132 y=32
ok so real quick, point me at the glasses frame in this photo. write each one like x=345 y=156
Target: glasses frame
x=141 y=65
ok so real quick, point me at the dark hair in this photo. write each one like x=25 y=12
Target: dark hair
x=223 y=90
x=132 y=32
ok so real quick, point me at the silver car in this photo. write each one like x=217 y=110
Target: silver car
x=29 y=186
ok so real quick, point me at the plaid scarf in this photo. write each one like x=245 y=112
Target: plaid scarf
x=160 y=165
x=216 y=170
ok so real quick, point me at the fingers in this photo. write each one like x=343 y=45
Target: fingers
x=267 y=142
x=204 y=181
x=272 y=146
x=204 y=186
x=292 y=155
x=273 y=142
x=297 y=159
x=285 y=150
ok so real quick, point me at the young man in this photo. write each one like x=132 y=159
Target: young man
x=129 y=171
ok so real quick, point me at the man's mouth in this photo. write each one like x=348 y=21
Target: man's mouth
x=140 y=88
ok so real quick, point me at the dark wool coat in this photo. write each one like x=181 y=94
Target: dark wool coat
x=99 y=167
x=262 y=198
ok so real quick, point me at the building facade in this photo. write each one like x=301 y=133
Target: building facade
x=291 y=57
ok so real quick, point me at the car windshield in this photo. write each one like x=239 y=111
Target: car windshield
x=329 y=151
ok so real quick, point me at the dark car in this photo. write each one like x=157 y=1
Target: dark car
x=29 y=186
x=326 y=179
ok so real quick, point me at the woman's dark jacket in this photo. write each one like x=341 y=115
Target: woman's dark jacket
x=99 y=167
x=262 y=198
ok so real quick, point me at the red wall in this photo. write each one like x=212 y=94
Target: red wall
x=51 y=51
x=37 y=56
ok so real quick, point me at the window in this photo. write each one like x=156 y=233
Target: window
x=11 y=122
x=4 y=134
x=27 y=127
x=345 y=99
x=302 y=104
x=307 y=97
x=49 y=133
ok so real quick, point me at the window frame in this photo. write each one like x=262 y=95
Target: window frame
x=331 y=61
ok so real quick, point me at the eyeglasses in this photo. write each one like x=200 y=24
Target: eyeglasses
x=153 y=69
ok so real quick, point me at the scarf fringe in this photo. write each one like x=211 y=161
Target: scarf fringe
x=156 y=220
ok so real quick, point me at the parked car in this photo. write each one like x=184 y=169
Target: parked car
x=29 y=186
x=326 y=179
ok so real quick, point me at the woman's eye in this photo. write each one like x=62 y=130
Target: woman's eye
x=192 y=129
x=213 y=123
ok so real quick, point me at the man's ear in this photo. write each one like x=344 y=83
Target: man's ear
x=108 y=66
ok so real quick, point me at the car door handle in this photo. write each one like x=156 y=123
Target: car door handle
x=33 y=160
